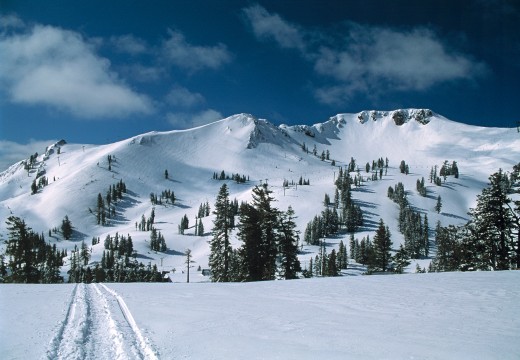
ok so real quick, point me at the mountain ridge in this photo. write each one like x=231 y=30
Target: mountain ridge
x=260 y=151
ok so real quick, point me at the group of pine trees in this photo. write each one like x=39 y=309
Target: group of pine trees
x=412 y=224
x=146 y=224
x=343 y=211
x=157 y=241
x=118 y=263
x=168 y=196
x=105 y=206
x=268 y=236
x=490 y=240
x=376 y=255
x=235 y=177
x=28 y=258
x=445 y=171
x=327 y=264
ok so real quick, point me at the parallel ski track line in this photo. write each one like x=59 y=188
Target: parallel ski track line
x=145 y=349
x=52 y=352
x=98 y=325
x=75 y=329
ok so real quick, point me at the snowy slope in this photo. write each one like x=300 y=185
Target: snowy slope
x=415 y=316
x=253 y=147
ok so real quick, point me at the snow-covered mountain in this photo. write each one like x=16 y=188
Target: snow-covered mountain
x=244 y=145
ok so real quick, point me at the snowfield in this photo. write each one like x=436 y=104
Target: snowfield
x=414 y=316
x=263 y=152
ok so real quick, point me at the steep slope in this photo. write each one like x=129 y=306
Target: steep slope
x=244 y=145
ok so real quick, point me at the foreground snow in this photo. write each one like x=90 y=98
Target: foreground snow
x=420 y=316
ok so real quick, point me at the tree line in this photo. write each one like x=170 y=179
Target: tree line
x=269 y=240
x=490 y=240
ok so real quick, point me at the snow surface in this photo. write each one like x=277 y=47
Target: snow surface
x=426 y=316
x=248 y=146
x=414 y=316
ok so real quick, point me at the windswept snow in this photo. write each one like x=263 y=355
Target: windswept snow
x=415 y=316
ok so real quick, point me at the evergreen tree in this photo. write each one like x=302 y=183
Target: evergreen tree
x=66 y=228
x=200 y=228
x=220 y=247
x=352 y=247
x=493 y=222
x=382 y=246
x=288 y=246
x=332 y=266
x=21 y=250
x=258 y=232
x=401 y=260
x=268 y=225
x=438 y=205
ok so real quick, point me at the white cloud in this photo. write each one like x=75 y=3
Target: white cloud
x=179 y=52
x=182 y=97
x=11 y=21
x=129 y=44
x=404 y=60
x=51 y=66
x=187 y=120
x=11 y=152
x=369 y=59
x=142 y=73
x=272 y=26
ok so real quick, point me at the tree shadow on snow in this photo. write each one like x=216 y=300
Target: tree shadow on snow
x=454 y=216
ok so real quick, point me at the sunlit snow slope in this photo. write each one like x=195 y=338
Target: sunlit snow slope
x=263 y=152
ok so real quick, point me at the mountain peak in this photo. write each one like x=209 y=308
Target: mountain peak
x=399 y=116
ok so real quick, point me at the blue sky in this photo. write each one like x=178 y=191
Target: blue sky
x=97 y=72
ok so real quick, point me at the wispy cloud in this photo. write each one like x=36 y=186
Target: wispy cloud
x=271 y=26
x=186 y=120
x=177 y=51
x=181 y=97
x=129 y=44
x=46 y=65
x=11 y=152
x=368 y=59
x=375 y=59
x=11 y=21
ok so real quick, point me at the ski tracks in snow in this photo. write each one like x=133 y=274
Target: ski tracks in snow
x=98 y=325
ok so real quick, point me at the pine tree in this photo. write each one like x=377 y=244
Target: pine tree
x=200 y=228
x=268 y=225
x=352 y=247
x=382 y=246
x=401 y=260
x=288 y=246
x=21 y=251
x=258 y=233
x=66 y=228
x=332 y=266
x=493 y=222
x=220 y=247
x=438 y=205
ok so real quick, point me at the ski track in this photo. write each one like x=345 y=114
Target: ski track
x=98 y=325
